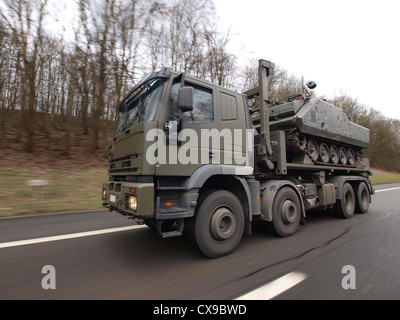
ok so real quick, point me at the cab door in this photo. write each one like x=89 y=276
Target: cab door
x=183 y=141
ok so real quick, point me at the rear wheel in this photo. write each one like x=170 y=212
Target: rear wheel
x=363 y=198
x=286 y=212
x=218 y=224
x=345 y=206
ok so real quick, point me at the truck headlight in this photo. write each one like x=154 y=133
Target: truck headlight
x=132 y=202
x=104 y=193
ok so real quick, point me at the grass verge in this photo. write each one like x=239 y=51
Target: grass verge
x=65 y=191
x=384 y=177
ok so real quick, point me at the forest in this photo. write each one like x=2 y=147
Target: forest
x=59 y=95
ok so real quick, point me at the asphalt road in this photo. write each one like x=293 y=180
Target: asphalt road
x=138 y=264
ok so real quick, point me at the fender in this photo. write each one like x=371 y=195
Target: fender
x=268 y=191
x=201 y=175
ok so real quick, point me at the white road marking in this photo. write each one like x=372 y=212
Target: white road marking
x=389 y=189
x=66 y=236
x=274 y=288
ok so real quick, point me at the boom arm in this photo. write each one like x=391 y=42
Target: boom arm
x=265 y=70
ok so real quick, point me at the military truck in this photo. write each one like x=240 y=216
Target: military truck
x=191 y=156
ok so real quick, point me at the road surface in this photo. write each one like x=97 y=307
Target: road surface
x=102 y=255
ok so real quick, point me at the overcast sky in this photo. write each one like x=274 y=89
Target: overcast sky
x=345 y=46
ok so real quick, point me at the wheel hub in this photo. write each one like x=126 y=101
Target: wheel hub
x=288 y=211
x=223 y=224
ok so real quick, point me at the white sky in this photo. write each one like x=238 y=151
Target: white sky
x=345 y=46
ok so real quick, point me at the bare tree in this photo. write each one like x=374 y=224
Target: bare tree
x=176 y=38
x=280 y=84
x=219 y=63
x=134 y=20
x=24 y=19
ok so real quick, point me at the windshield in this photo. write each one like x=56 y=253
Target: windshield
x=141 y=105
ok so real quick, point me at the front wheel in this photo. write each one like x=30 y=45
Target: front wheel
x=218 y=224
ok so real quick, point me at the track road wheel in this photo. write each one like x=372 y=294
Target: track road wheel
x=363 y=198
x=218 y=224
x=286 y=212
x=345 y=207
x=334 y=154
x=324 y=153
x=351 y=156
x=313 y=150
x=342 y=155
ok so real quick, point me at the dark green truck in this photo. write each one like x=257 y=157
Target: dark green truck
x=190 y=155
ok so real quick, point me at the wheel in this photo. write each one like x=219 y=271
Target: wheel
x=334 y=154
x=324 y=153
x=342 y=155
x=345 y=207
x=313 y=150
x=363 y=198
x=286 y=212
x=351 y=156
x=218 y=224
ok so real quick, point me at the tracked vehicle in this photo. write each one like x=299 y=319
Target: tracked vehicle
x=316 y=132
x=191 y=156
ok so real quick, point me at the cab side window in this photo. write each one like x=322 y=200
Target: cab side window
x=202 y=112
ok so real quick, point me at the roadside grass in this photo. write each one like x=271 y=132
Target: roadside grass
x=75 y=190
x=65 y=191
x=384 y=177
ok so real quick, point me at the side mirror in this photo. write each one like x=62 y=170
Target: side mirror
x=185 y=99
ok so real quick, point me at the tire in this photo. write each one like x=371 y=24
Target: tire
x=218 y=224
x=363 y=198
x=286 y=212
x=345 y=207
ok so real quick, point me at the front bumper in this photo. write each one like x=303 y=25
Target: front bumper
x=144 y=200
x=129 y=198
